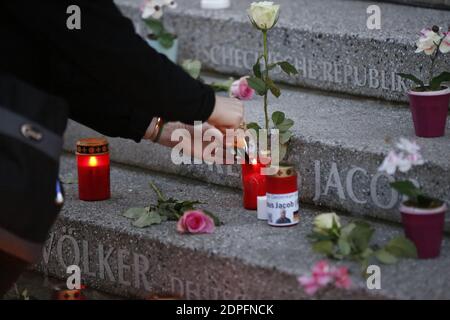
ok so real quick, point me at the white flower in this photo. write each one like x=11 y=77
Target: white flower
x=324 y=221
x=407 y=156
x=428 y=41
x=404 y=163
x=171 y=4
x=264 y=14
x=407 y=146
x=445 y=44
x=390 y=163
x=154 y=8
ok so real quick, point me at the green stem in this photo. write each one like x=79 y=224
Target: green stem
x=155 y=188
x=433 y=60
x=266 y=76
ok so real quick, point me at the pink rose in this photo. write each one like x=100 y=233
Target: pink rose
x=241 y=90
x=195 y=221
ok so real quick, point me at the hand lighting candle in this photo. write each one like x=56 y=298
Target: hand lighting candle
x=93 y=169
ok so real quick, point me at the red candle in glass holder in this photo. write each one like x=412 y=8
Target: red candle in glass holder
x=93 y=169
x=253 y=183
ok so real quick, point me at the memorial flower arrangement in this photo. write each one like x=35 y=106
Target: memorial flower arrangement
x=429 y=99
x=189 y=219
x=423 y=216
x=160 y=38
x=264 y=16
x=352 y=241
x=323 y=275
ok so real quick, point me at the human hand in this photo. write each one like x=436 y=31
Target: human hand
x=211 y=147
x=228 y=113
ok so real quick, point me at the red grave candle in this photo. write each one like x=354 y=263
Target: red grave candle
x=93 y=169
x=253 y=183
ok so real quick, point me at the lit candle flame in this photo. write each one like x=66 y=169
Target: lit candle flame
x=93 y=161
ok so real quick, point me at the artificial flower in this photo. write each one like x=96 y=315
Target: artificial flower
x=410 y=147
x=325 y=221
x=264 y=14
x=404 y=158
x=390 y=163
x=429 y=41
x=342 y=278
x=241 y=90
x=154 y=8
x=195 y=221
x=323 y=275
x=445 y=44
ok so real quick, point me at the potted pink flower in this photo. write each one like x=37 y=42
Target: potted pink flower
x=429 y=100
x=423 y=217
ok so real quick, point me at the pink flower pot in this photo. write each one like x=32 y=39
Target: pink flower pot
x=424 y=227
x=429 y=111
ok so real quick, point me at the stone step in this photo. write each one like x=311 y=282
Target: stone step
x=244 y=258
x=436 y=4
x=327 y=40
x=339 y=143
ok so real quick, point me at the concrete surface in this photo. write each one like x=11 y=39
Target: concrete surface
x=244 y=258
x=339 y=143
x=328 y=41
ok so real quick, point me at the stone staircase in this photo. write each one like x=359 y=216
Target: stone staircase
x=346 y=105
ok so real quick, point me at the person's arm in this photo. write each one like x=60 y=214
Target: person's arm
x=107 y=58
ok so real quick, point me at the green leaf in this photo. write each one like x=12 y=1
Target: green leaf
x=148 y=219
x=407 y=188
x=222 y=85
x=278 y=117
x=215 y=218
x=273 y=88
x=285 y=125
x=344 y=246
x=253 y=125
x=412 y=78
x=437 y=81
x=166 y=40
x=155 y=26
x=385 y=257
x=288 y=68
x=257 y=68
x=286 y=136
x=258 y=85
x=193 y=67
x=325 y=247
x=401 y=247
x=283 y=151
x=135 y=213
x=360 y=236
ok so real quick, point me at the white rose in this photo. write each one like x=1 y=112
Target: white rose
x=325 y=221
x=264 y=14
x=428 y=41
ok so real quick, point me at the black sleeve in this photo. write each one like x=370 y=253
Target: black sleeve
x=112 y=80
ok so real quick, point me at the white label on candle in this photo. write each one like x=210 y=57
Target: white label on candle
x=282 y=209
x=262 y=208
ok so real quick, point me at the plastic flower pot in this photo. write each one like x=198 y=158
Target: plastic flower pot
x=171 y=53
x=424 y=227
x=429 y=111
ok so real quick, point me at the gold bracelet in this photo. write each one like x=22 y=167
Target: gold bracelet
x=155 y=133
